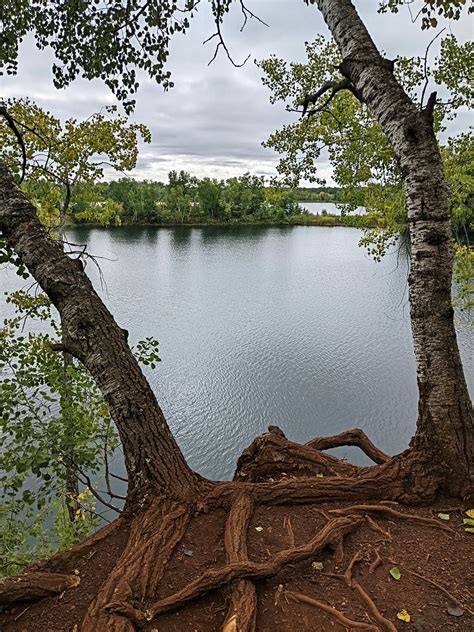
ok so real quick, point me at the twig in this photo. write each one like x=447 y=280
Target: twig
x=10 y=121
x=425 y=67
x=288 y=526
x=21 y=613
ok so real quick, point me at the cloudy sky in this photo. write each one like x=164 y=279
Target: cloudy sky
x=213 y=121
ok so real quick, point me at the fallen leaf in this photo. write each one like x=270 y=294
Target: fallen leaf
x=395 y=573
x=404 y=616
x=470 y=513
x=318 y=566
x=455 y=611
x=443 y=516
x=469 y=529
x=259 y=529
x=469 y=522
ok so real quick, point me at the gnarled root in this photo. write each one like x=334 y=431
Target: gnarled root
x=215 y=577
x=355 y=437
x=272 y=454
x=33 y=586
x=154 y=534
x=242 y=613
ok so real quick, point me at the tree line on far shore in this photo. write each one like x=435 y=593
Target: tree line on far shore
x=186 y=199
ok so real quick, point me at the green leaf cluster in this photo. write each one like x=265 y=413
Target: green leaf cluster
x=51 y=428
x=428 y=10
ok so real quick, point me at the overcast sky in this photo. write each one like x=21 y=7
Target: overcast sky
x=213 y=121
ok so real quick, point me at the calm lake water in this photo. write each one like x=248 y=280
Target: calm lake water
x=290 y=326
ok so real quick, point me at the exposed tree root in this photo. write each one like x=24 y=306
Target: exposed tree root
x=154 y=534
x=32 y=586
x=355 y=437
x=376 y=562
x=272 y=454
x=350 y=624
x=130 y=598
x=357 y=557
x=405 y=478
x=386 y=625
x=216 y=577
x=392 y=513
x=242 y=613
x=376 y=527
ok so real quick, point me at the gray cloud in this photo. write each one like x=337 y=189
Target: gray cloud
x=214 y=120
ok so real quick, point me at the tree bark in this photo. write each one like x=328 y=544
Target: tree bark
x=445 y=427
x=152 y=456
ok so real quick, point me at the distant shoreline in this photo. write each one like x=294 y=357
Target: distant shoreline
x=325 y=221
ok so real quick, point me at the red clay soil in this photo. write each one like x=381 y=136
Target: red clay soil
x=433 y=559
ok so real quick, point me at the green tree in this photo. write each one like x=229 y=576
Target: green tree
x=63 y=161
x=209 y=192
x=180 y=197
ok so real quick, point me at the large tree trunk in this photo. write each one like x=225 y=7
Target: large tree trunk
x=154 y=461
x=445 y=429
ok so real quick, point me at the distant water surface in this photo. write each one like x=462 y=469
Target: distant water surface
x=291 y=326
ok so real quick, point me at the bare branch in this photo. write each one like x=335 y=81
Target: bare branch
x=334 y=87
x=425 y=66
x=249 y=14
x=10 y=121
x=219 y=13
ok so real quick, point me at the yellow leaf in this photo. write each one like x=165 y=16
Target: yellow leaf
x=470 y=513
x=403 y=616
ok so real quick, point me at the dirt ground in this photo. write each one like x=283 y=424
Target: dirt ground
x=435 y=586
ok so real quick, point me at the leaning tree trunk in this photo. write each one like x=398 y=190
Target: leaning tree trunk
x=445 y=429
x=154 y=462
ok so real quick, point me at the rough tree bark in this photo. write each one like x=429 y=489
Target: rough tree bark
x=445 y=428
x=152 y=457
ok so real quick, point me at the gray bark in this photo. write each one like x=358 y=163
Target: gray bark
x=445 y=428
x=90 y=333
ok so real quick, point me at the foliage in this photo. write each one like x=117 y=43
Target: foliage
x=463 y=274
x=111 y=39
x=363 y=162
x=41 y=429
x=64 y=160
x=186 y=199
x=429 y=10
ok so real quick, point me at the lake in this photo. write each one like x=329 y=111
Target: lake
x=316 y=208
x=291 y=326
